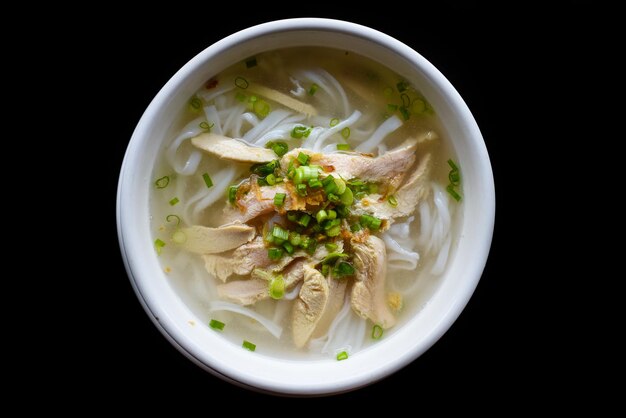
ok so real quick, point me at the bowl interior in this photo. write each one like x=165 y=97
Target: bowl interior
x=207 y=348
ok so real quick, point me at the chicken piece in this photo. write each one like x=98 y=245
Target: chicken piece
x=204 y=240
x=254 y=255
x=260 y=201
x=243 y=260
x=309 y=306
x=248 y=292
x=389 y=168
x=336 y=299
x=368 y=297
x=232 y=149
x=409 y=195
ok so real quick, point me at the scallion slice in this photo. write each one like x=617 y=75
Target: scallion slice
x=173 y=218
x=241 y=82
x=277 y=287
x=232 y=193
x=274 y=253
x=333 y=122
x=343 y=147
x=377 y=332
x=207 y=180
x=174 y=201
x=162 y=182
x=278 y=232
x=453 y=193
x=300 y=132
x=303 y=159
x=195 y=104
x=342 y=356
x=343 y=269
x=392 y=201
x=313 y=89
x=279 y=199
x=158 y=245
x=179 y=237
x=345 y=132
x=279 y=148
x=248 y=345
x=217 y=325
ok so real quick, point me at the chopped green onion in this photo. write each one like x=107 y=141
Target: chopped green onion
x=315 y=183
x=332 y=257
x=356 y=227
x=406 y=100
x=195 y=104
x=377 y=332
x=305 y=173
x=332 y=214
x=305 y=219
x=217 y=325
x=176 y=217
x=371 y=222
x=240 y=96
x=325 y=269
x=452 y=165
x=162 y=182
x=331 y=246
x=261 y=108
x=388 y=91
x=309 y=245
x=270 y=179
x=265 y=169
x=207 y=180
x=345 y=132
x=453 y=193
x=232 y=193
x=279 y=232
x=174 y=201
x=313 y=89
x=418 y=106
x=303 y=159
x=343 y=147
x=341 y=185
x=274 y=253
x=301 y=189
x=292 y=216
x=321 y=215
x=251 y=62
x=277 y=287
x=262 y=182
x=343 y=269
x=206 y=126
x=288 y=247
x=300 y=132
x=405 y=113
x=392 y=201
x=279 y=199
x=402 y=86
x=295 y=239
x=334 y=231
x=454 y=177
x=342 y=356
x=347 y=198
x=279 y=148
x=391 y=108
x=248 y=345
x=179 y=237
x=241 y=82
x=342 y=211
x=333 y=198
x=333 y=122
x=158 y=245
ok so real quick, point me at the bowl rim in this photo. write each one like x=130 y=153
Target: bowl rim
x=179 y=337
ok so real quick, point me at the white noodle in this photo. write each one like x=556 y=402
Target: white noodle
x=213 y=119
x=387 y=127
x=219 y=305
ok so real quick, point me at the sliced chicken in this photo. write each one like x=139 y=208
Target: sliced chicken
x=336 y=299
x=409 y=195
x=232 y=149
x=309 y=306
x=368 y=298
x=205 y=240
x=243 y=260
x=247 y=292
x=260 y=201
x=254 y=255
x=389 y=168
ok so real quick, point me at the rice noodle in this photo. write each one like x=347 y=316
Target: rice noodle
x=387 y=127
x=219 y=305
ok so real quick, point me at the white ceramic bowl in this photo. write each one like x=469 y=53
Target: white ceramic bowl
x=210 y=350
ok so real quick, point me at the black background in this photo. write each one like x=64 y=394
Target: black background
x=496 y=59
